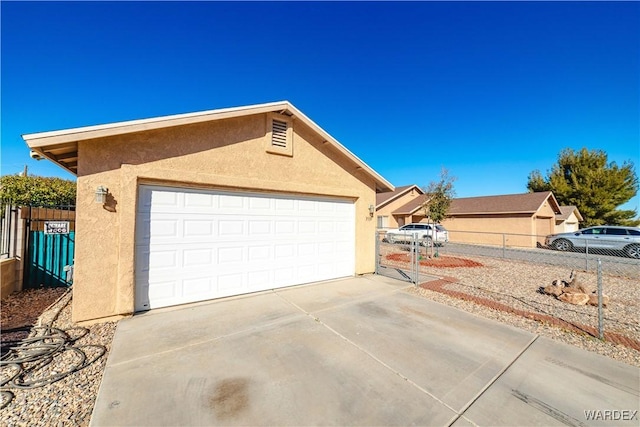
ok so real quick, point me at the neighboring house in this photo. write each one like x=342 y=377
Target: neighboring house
x=411 y=211
x=211 y=204
x=568 y=220
x=387 y=204
x=513 y=220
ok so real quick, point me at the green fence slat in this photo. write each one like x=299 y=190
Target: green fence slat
x=48 y=255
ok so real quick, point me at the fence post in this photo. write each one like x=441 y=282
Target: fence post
x=600 y=316
x=416 y=266
x=504 y=245
x=377 y=255
x=586 y=255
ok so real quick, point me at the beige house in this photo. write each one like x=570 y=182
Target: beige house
x=389 y=206
x=520 y=220
x=568 y=220
x=190 y=207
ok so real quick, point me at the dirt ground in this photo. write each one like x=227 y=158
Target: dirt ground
x=20 y=311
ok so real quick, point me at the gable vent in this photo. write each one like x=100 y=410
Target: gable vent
x=279 y=133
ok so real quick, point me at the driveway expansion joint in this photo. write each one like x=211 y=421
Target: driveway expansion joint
x=494 y=379
x=376 y=359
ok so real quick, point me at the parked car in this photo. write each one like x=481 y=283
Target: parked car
x=617 y=238
x=425 y=232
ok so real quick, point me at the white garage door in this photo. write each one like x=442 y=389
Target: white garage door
x=194 y=245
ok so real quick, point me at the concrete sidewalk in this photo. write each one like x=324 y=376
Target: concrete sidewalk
x=356 y=351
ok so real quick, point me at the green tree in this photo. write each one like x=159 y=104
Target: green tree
x=438 y=197
x=597 y=187
x=37 y=190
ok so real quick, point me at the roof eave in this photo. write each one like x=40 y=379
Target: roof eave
x=556 y=207
x=492 y=213
x=42 y=141
x=402 y=193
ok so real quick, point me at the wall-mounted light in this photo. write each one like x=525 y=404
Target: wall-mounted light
x=372 y=209
x=101 y=195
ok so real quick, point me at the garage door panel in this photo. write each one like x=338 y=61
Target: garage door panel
x=230 y=255
x=198 y=228
x=259 y=227
x=193 y=245
x=196 y=287
x=231 y=281
x=167 y=289
x=197 y=257
x=259 y=253
x=198 y=201
x=260 y=204
x=166 y=259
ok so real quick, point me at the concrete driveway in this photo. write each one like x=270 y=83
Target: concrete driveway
x=358 y=351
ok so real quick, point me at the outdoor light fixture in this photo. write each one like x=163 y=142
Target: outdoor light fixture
x=101 y=195
x=372 y=209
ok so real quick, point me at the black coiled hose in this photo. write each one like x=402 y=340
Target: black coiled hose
x=46 y=356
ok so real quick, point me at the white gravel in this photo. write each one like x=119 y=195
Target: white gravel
x=68 y=402
x=516 y=283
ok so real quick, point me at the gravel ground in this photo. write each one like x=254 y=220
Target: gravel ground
x=516 y=283
x=68 y=402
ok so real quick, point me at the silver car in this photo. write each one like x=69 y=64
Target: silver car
x=602 y=237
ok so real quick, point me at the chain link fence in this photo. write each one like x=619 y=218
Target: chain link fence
x=517 y=268
x=400 y=259
x=9 y=230
x=619 y=257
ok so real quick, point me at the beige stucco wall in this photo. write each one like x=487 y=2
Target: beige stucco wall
x=510 y=230
x=568 y=225
x=545 y=222
x=225 y=154
x=9 y=277
x=392 y=206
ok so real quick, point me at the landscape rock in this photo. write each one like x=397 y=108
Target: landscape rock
x=554 y=290
x=574 y=298
x=572 y=290
x=593 y=300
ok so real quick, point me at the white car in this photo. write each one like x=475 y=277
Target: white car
x=426 y=233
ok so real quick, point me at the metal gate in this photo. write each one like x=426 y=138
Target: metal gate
x=400 y=260
x=50 y=244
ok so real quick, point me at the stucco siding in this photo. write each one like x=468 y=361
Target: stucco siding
x=227 y=154
x=510 y=230
x=392 y=206
x=569 y=225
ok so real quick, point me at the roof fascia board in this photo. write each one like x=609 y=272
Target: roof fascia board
x=402 y=193
x=51 y=138
x=384 y=184
x=41 y=139
x=411 y=212
x=557 y=209
x=492 y=213
x=554 y=202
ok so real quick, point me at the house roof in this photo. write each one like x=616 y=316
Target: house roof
x=389 y=196
x=566 y=211
x=412 y=206
x=61 y=146
x=504 y=204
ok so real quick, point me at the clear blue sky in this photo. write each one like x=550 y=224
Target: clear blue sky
x=491 y=91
